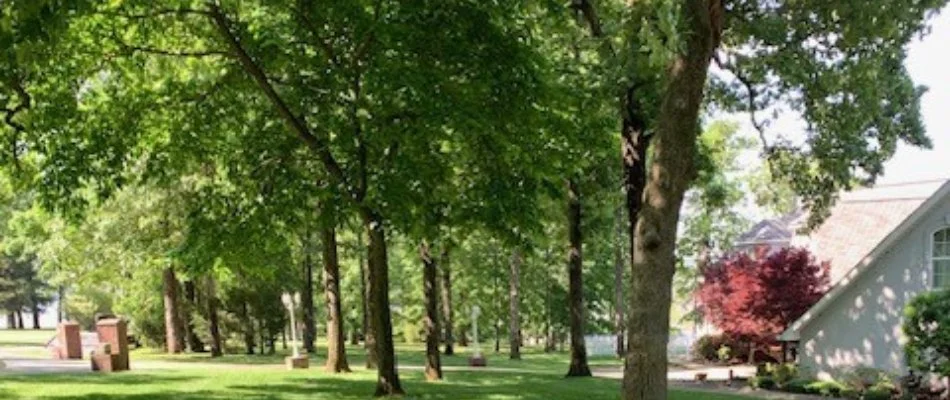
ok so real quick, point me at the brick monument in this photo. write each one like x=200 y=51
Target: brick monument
x=113 y=353
x=68 y=342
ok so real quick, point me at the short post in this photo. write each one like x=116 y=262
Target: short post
x=296 y=361
x=477 y=359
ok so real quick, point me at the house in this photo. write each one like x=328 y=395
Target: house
x=885 y=245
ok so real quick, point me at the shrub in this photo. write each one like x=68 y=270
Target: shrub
x=797 y=386
x=878 y=394
x=927 y=327
x=762 y=382
x=825 y=388
x=724 y=353
x=784 y=373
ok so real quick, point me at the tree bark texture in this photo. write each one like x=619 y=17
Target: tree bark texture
x=619 y=323
x=575 y=270
x=514 y=309
x=306 y=300
x=671 y=172
x=387 y=383
x=191 y=300
x=433 y=368
x=35 y=310
x=173 y=335
x=212 y=304
x=248 y=323
x=446 y=291
x=369 y=333
x=336 y=342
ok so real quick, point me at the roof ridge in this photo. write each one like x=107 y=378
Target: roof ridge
x=903 y=183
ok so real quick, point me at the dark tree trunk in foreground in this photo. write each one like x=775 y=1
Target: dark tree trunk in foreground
x=618 y=287
x=671 y=172
x=191 y=299
x=212 y=303
x=575 y=267
x=433 y=370
x=369 y=335
x=446 y=291
x=387 y=377
x=514 y=311
x=19 y=319
x=173 y=336
x=306 y=300
x=336 y=342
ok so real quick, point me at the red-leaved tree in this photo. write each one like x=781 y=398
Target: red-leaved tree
x=753 y=299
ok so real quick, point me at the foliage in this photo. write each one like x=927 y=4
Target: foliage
x=927 y=328
x=755 y=298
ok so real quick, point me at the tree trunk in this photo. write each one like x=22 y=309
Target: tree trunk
x=212 y=300
x=446 y=291
x=306 y=301
x=387 y=383
x=283 y=337
x=173 y=337
x=35 y=310
x=369 y=333
x=191 y=298
x=575 y=267
x=514 y=313
x=248 y=329
x=354 y=337
x=19 y=319
x=671 y=172
x=618 y=286
x=433 y=371
x=336 y=342
x=60 y=304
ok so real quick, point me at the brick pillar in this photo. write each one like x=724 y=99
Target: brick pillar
x=70 y=345
x=114 y=332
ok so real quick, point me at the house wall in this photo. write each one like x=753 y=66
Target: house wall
x=863 y=326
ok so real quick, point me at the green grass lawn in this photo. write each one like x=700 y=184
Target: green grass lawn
x=25 y=337
x=256 y=383
x=539 y=376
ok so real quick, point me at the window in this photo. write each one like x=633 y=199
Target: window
x=940 y=256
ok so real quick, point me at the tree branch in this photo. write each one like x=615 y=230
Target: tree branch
x=319 y=40
x=163 y=12
x=750 y=88
x=294 y=122
x=10 y=114
x=174 y=53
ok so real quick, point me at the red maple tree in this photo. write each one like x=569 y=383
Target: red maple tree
x=754 y=298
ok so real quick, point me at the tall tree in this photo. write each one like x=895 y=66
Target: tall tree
x=174 y=338
x=433 y=367
x=575 y=265
x=445 y=288
x=514 y=305
x=336 y=341
x=309 y=320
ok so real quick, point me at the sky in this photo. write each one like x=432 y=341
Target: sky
x=929 y=64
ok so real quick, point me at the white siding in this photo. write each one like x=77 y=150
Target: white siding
x=863 y=326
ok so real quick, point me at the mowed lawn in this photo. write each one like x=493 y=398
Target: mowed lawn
x=25 y=337
x=255 y=383
x=538 y=376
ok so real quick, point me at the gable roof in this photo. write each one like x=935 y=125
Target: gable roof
x=907 y=202
x=860 y=220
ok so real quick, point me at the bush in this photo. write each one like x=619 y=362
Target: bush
x=797 y=386
x=784 y=373
x=707 y=347
x=927 y=327
x=825 y=388
x=762 y=382
x=878 y=394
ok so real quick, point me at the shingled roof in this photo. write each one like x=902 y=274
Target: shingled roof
x=858 y=222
